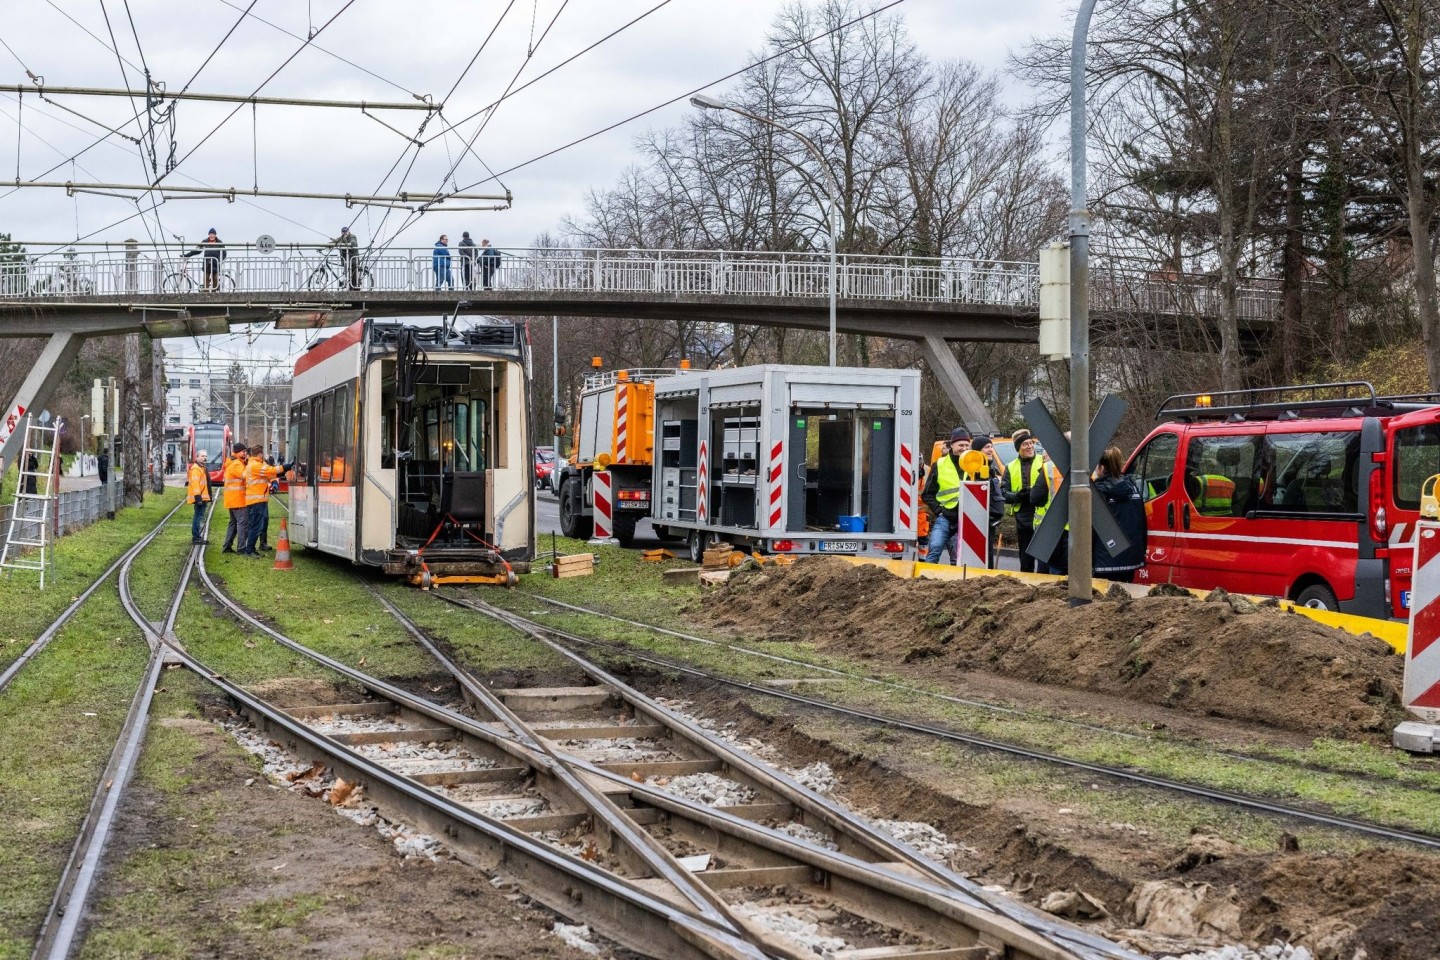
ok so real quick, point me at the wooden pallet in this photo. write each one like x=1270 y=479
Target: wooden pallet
x=574 y=565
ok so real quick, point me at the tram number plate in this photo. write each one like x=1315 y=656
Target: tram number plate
x=1404 y=599
x=839 y=546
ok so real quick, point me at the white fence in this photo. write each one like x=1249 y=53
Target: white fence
x=117 y=275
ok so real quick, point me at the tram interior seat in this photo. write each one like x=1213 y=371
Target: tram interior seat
x=462 y=502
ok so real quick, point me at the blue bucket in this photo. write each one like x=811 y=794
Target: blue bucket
x=851 y=524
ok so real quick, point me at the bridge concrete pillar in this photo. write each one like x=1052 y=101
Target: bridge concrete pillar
x=956 y=385
x=34 y=394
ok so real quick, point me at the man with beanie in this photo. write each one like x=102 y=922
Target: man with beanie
x=1027 y=494
x=942 y=496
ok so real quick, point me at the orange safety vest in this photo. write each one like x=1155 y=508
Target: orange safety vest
x=197 y=483
x=234 y=484
x=258 y=475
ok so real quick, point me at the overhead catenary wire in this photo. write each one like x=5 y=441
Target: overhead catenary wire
x=660 y=106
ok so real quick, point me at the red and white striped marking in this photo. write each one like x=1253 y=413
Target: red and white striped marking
x=1422 y=653
x=622 y=421
x=907 y=488
x=974 y=543
x=776 y=480
x=702 y=485
x=604 y=505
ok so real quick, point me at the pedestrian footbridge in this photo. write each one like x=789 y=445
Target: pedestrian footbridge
x=115 y=289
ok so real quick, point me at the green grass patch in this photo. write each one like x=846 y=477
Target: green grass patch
x=80 y=557
x=60 y=718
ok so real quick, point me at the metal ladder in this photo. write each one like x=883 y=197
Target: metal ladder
x=28 y=537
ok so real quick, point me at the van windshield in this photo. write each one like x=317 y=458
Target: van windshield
x=1417 y=458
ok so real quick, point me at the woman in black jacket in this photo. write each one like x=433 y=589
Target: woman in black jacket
x=1127 y=506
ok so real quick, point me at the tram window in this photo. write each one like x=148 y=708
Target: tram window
x=343 y=436
x=300 y=441
x=324 y=435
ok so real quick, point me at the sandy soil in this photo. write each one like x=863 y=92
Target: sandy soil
x=1222 y=657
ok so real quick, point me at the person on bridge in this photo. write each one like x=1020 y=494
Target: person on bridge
x=467 y=260
x=349 y=247
x=489 y=263
x=440 y=263
x=235 y=498
x=197 y=490
x=214 y=250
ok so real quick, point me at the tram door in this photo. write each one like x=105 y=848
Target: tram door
x=304 y=506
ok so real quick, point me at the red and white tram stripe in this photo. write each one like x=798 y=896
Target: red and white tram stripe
x=1422 y=653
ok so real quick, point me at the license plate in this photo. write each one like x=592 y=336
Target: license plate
x=1404 y=599
x=634 y=505
x=839 y=546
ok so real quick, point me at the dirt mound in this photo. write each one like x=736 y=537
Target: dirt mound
x=1223 y=656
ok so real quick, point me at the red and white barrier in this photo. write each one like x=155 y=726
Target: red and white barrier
x=604 y=507
x=775 y=480
x=905 y=502
x=622 y=422
x=702 y=485
x=973 y=548
x=1422 y=653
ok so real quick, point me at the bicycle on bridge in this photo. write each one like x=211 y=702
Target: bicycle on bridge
x=181 y=278
x=330 y=273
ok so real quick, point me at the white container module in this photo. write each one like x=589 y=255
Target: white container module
x=789 y=459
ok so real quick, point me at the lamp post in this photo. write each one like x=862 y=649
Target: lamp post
x=81 y=458
x=1080 y=558
x=710 y=103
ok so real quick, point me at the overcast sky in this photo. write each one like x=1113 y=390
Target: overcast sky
x=411 y=48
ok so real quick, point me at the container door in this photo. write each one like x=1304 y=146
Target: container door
x=1154 y=466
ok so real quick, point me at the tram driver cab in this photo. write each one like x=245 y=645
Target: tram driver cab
x=421 y=458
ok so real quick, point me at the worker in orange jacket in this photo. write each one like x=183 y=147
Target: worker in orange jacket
x=235 y=499
x=197 y=491
x=258 y=477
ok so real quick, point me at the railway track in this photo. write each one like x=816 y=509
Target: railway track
x=1122 y=774
x=574 y=793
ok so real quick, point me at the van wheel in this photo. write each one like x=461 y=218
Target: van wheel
x=572 y=523
x=695 y=546
x=1318 y=597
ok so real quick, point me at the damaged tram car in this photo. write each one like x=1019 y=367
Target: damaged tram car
x=411 y=451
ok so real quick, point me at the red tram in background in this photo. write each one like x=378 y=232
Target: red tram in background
x=214 y=440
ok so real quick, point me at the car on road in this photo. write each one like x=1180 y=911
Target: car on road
x=544 y=466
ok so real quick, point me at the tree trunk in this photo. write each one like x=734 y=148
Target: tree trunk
x=1292 y=276
x=134 y=454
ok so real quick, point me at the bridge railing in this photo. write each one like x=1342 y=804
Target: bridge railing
x=148 y=271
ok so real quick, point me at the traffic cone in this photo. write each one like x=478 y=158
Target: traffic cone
x=282 y=549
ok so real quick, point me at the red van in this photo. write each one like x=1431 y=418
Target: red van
x=1309 y=493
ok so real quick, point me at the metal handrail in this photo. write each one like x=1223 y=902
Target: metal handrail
x=159 y=270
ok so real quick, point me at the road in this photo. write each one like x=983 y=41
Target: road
x=547 y=521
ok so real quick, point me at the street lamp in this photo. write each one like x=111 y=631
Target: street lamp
x=1080 y=519
x=83 y=418
x=710 y=103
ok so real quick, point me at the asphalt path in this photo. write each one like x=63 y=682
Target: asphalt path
x=547 y=521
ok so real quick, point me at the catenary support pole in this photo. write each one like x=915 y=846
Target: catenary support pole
x=1080 y=556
